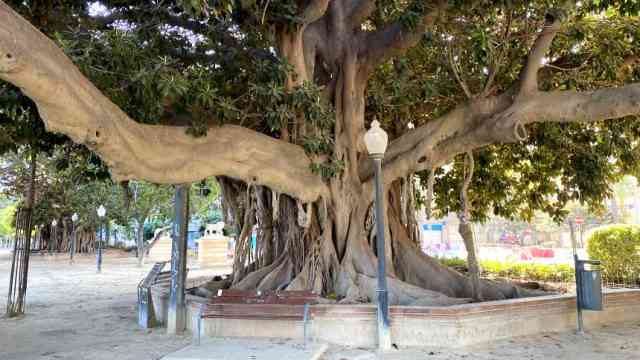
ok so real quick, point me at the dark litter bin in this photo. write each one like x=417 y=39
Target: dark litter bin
x=589 y=284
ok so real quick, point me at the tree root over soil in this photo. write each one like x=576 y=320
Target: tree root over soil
x=418 y=279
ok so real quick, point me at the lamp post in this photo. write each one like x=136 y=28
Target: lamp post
x=54 y=236
x=72 y=246
x=376 y=141
x=101 y=213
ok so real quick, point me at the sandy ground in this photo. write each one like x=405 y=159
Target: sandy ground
x=619 y=343
x=74 y=313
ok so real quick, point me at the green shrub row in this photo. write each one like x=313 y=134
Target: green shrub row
x=524 y=271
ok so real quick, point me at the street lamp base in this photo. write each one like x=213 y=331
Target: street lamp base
x=385 y=342
x=384 y=334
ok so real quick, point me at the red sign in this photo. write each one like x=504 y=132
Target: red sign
x=579 y=220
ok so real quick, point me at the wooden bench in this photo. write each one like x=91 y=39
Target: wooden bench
x=256 y=305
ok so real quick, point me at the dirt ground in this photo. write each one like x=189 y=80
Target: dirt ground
x=619 y=343
x=74 y=313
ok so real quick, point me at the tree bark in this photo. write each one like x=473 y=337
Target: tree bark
x=466 y=229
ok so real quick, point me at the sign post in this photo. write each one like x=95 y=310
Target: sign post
x=580 y=222
x=577 y=275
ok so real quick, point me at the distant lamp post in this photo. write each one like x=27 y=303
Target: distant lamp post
x=72 y=246
x=101 y=213
x=54 y=236
x=376 y=141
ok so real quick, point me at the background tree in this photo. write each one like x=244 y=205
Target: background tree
x=7 y=231
x=146 y=200
x=72 y=180
x=205 y=203
x=273 y=97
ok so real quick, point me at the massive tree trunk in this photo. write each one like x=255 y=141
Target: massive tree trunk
x=313 y=233
x=325 y=245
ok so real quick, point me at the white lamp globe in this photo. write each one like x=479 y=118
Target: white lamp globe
x=102 y=211
x=376 y=139
x=54 y=223
x=74 y=217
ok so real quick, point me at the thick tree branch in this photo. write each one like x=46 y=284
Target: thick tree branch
x=529 y=74
x=557 y=106
x=314 y=10
x=70 y=104
x=410 y=152
x=395 y=39
x=572 y=106
x=470 y=131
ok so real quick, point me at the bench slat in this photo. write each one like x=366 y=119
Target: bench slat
x=272 y=305
x=251 y=311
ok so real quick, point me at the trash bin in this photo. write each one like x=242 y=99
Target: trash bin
x=589 y=282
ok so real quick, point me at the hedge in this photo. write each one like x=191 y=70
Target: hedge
x=618 y=247
x=525 y=271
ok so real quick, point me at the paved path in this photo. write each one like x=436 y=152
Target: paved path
x=74 y=313
x=248 y=349
x=4 y=253
x=611 y=343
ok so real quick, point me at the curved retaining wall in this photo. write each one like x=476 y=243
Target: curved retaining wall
x=452 y=326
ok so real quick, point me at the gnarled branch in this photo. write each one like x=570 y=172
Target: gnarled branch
x=529 y=74
x=314 y=10
x=493 y=120
x=69 y=103
x=395 y=39
x=557 y=106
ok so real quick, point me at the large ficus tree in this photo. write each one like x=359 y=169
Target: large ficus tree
x=273 y=98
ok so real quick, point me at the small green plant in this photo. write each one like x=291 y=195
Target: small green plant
x=618 y=247
x=453 y=262
x=524 y=271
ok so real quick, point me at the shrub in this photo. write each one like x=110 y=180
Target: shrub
x=453 y=262
x=7 y=218
x=618 y=247
x=524 y=271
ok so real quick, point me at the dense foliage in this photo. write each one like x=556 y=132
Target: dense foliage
x=618 y=247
